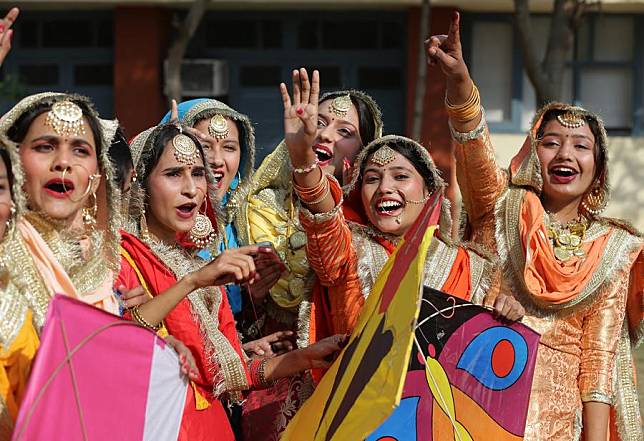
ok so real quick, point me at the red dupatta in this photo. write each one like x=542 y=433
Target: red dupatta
x=204 y=416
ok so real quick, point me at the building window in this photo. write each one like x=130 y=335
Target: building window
x=601 y=72
x=491 y=69
x=243 y=34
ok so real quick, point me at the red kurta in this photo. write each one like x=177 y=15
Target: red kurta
x=211 y=422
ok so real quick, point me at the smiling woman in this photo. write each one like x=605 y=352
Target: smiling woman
x=578 y=274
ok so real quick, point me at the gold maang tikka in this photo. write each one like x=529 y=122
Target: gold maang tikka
x=218 y=127
x=571 y=120
x=341 y=105
x=383 y=156
x=185 y=149
x=66 y=118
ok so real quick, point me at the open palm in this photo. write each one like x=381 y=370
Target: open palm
x=301 y=116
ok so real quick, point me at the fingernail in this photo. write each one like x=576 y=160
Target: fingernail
x=300 y=111
x=1 y=27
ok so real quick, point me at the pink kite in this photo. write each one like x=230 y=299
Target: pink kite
x=98 y=377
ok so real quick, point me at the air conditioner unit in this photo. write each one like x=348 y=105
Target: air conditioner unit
x=203 y=77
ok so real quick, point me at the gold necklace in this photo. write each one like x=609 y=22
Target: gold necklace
x=567 y=239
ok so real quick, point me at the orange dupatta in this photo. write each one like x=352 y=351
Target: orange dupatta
x=548 y=279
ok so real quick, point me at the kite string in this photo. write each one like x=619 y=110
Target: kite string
x=74 y=382
x=440 y=395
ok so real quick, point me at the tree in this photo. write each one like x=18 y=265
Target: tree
x=546 y=75
x=185 y=30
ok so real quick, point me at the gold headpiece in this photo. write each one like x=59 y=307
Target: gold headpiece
x=341 y=105
x=185 y=149
x=571 y=120
x=66 y=118
x=384 y=155
x=218 y=127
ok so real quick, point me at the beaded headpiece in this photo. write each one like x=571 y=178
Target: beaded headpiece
x=383 y=156
x=341 y=105
x=185 y=149
x=66 y=118
x=218 y=127
x=571 y=120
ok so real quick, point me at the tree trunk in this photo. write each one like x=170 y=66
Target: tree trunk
x=421 y=74
x=177 y=50
x=547 y=75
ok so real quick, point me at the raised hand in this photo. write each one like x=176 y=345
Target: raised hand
x=301 y=116
x=6 y=33
x=446 y=51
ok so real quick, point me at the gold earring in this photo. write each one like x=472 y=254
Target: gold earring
x=595 y=201
x=202 y=233
x=143 y=226
x=89 y=213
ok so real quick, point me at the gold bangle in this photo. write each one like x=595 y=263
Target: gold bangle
x=136 y=315
x=307 y=191
x=466 y=111
x=327 y=191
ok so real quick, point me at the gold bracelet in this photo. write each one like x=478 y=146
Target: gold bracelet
x=136 y=315
x=327 y=191
x=466 y=111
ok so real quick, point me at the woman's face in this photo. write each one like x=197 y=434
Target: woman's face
x=5 y=198
x=338 y=139
x=386 y=192
x=178 y=191
x=47 y=158
x=567 y=158
x=223 y=155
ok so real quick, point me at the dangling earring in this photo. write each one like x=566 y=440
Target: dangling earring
x=202 y=233
x=143 y=226
x=89 y=213
x=595 y=201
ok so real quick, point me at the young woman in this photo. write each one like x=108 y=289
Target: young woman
x=349 y=119
x=566 y=264
x=394 y=177
x=172 y=183
x=52 y=246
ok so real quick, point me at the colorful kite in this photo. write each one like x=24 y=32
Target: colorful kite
x=469 y=377
x=365 y=383
x=97 y=377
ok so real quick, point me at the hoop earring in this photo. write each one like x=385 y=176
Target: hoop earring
x=202 y=233
x=89 y=213
x=595 y=201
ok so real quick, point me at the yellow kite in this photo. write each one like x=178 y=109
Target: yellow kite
x=365 y=383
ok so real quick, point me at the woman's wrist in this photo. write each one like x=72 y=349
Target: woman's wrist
x=189 y=282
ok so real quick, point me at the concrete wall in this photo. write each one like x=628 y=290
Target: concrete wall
x=626 y=171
